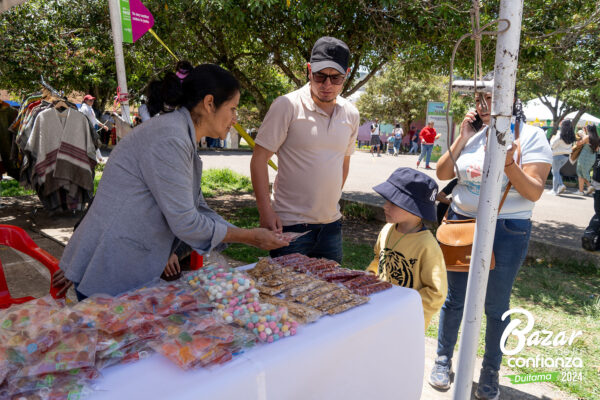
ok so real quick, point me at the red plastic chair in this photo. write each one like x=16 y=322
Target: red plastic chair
x=17 y=238
x=196 y=261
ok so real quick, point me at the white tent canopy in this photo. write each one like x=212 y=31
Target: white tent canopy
x=535 y=109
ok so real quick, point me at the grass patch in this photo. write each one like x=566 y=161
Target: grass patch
x=356 y=256
x=561 y=297
x=224 y=181
x=358 y=211
x=11 y=188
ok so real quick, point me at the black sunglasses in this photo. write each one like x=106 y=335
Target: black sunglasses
x=336 y=79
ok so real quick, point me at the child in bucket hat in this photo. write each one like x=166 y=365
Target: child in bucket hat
x=406 y=253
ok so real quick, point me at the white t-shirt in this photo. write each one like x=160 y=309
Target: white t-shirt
x=89 y=112
x=374 y=129
x=465 y=197
x=398 y=133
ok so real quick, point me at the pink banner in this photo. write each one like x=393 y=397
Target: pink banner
x=141 y=19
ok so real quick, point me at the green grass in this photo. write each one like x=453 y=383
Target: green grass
x=356 y=256
x=561 y=297
x=224 y=181
x=11 y=188
x=359 y=211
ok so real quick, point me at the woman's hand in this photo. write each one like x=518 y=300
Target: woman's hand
x=172 y=267
x=266 y=239
x=466 y=130
x=510 y=153
x=59 y=280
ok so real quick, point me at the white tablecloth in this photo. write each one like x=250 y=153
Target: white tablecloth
x=375 y=351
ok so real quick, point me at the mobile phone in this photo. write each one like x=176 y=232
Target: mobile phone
x=477 y=124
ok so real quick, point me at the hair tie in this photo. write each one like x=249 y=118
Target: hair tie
x=182 y=74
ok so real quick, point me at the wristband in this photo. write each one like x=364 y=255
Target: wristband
x=508 y=165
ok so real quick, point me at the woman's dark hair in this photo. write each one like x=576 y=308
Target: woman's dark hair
x=201 y=81
x=567 y=133
x=594 y=139
x=397 y=125
x=183 y=66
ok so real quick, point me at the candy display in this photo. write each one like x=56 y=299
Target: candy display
x=110 y=314
x=370 y=289
x=134 y=352
x=159 y=301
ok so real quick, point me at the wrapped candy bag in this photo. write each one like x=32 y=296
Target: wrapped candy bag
x=134 y=352
x=47 y=382
x=74 y=350
x=69 y=391
x=194 y=340
x=109 y=343
x=223 y=285
x=163 y=300
x=110 y=314
x=20 y=316
x=268 y=322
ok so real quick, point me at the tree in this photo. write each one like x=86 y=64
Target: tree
x=264 y=43
x=560 y=56
x=398 y=95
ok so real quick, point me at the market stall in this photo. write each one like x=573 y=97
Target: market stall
x=289 y=327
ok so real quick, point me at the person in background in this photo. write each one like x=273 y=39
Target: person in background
x=312 y=167
x=428 y=136
x=414 y=144
x=585 y=161
x=561 y=145
x=88 y=111
x=406 y=253
x=398 y=135
x=143 y=110
x=391 y=140
x=375 y=137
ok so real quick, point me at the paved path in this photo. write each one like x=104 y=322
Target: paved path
x=557 y=220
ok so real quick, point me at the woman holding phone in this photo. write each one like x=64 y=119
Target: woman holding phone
x=527 y=165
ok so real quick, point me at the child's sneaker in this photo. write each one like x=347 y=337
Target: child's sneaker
x=441 y=376
x=579 y=193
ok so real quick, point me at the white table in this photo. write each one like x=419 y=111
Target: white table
x=374 y=351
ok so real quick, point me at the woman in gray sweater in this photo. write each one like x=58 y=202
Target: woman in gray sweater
x=150 y=193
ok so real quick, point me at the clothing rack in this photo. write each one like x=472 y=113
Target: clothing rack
x=56 y=93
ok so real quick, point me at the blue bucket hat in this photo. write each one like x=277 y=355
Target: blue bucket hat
x=412 y=191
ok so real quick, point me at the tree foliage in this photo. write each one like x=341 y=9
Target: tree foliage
x=265 y=43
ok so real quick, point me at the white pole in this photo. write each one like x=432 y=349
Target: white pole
x=499 y=138
x=117 y=33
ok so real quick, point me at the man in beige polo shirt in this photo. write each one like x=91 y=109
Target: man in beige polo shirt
x=313 y=131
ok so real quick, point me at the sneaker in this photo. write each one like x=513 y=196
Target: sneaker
x=441 y=376
x=428 y=167
x=418 y=162
x=589 y=190
x=489 y=387
x=561 y=189
x=579 y=193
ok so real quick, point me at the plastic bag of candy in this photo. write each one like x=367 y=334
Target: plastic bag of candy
x=160 y=301
x=111 y=342
x=20 y=316
x=223 y=285
x=69 y=391
x=131 y=353
x=290 y=236
x=268 y=322
x=26 y=384
x=73 y=350
x=110 y=314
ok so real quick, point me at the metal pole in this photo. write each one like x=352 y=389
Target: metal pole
x=499 y=138
x=117 y=34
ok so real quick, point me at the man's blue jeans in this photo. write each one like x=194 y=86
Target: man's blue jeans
x=510 y=248
x=426 y=152
x=413 y=148
x=323 y=240
x=557 y=164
